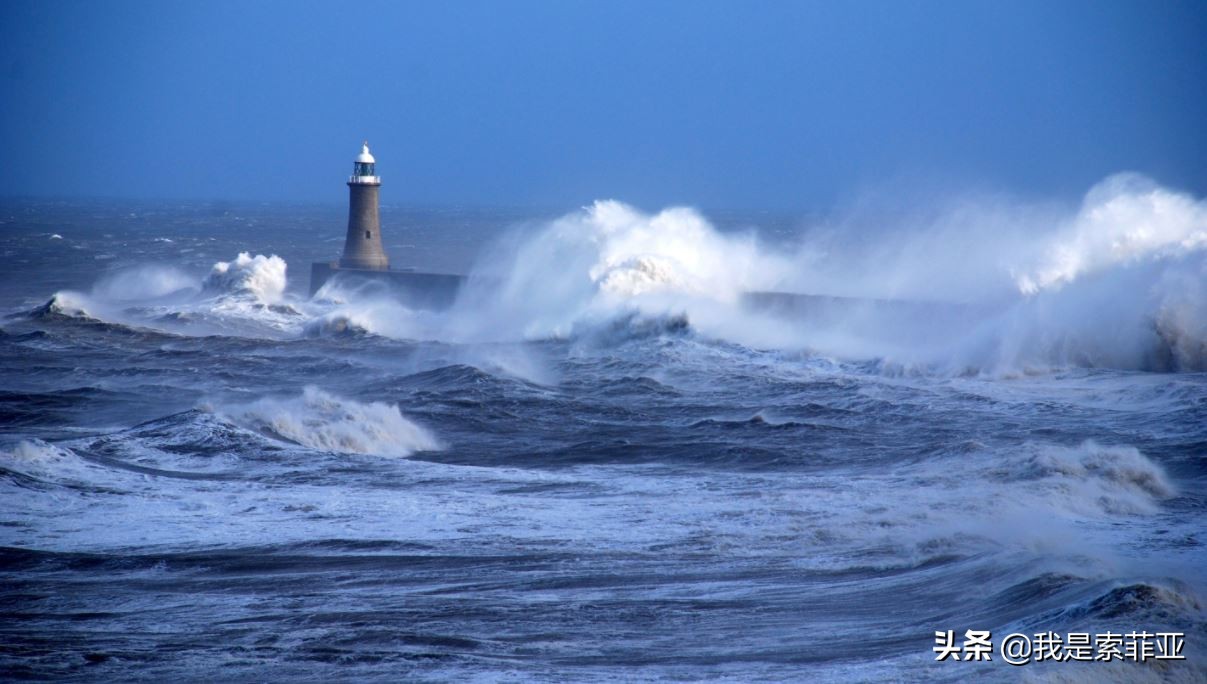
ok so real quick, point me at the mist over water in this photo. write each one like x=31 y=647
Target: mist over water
x=618 y=455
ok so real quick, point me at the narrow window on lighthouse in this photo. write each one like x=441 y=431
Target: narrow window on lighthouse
x=367 y=235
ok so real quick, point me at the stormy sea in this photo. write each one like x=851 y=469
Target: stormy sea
x=622 y=454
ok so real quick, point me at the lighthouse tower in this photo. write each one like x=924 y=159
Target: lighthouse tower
x=362 y=248
x=364 y=260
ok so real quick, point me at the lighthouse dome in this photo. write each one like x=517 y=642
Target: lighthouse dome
x=364 y=157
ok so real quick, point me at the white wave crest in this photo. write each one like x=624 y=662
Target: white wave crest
x=604 y=262
x=1093 y=478
x=35 y=451
x=675 y=250
x=325 y=422
x=66 y=303
x=1123 y=219
x=50 y=463
x=262 y=277
x=245 y=296
x=335 y=323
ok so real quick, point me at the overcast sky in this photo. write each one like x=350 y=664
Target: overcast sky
x=715 y=104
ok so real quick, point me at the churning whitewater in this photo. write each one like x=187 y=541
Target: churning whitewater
x=620 y=454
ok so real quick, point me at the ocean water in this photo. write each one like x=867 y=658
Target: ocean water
x=603 y=463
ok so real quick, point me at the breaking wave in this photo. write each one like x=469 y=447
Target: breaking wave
x=336 y=325
x=260 y=277
x=1126 y=218
x=325 y=422
x=36 y=456
x=38 y=464
x=65 y=304
x=245 y=296
x=1092 y=478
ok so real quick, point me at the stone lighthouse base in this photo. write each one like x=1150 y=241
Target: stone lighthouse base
x=433 y=291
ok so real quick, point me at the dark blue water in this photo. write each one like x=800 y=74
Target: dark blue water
x=599 y=468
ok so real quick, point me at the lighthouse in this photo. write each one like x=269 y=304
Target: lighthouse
x=364 y=260
x=362 y=247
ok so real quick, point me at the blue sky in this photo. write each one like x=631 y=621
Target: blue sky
x=741 y=105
